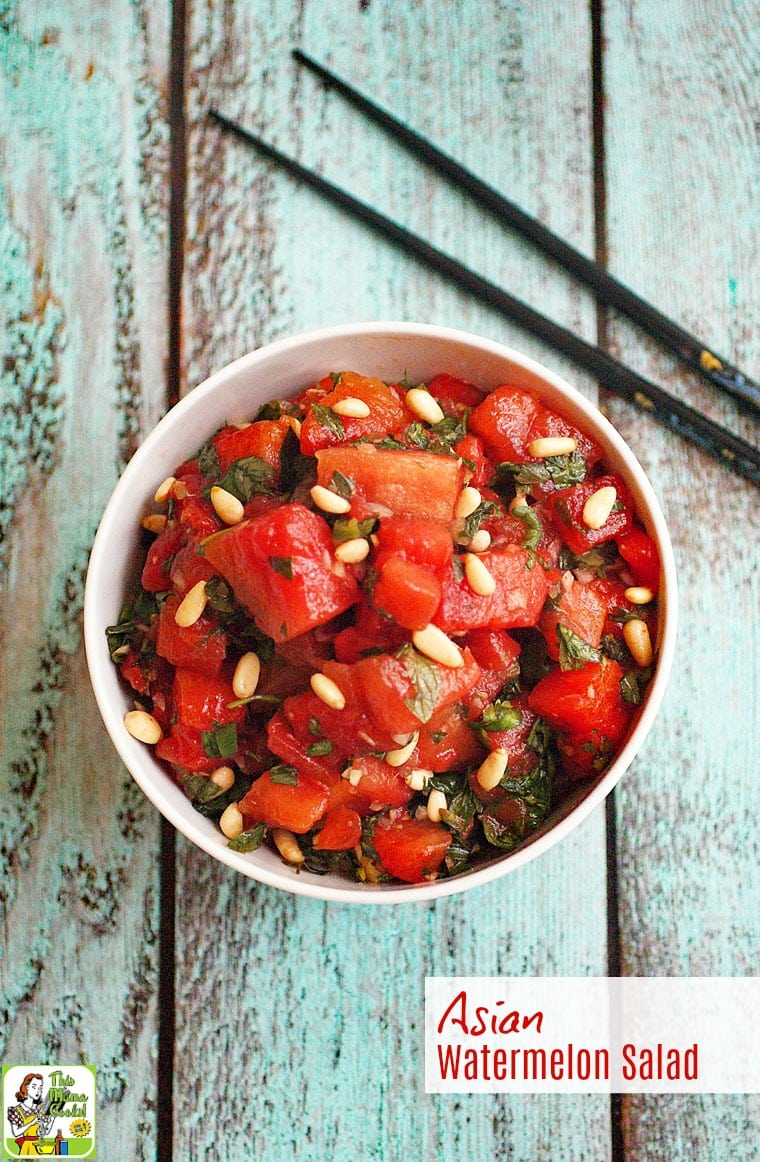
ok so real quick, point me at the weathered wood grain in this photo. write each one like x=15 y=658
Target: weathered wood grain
x=83 y=228
x=682 y=184
x=300 y=1024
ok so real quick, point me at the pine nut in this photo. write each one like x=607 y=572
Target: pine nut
x=295 y=425
x=546 y=446
x=226 y=506
x=424 y=405
x=165 y=489
x=143 y=726
x=638 y=595
x=468 y=500
x=231 y=821
x=435 y=804
x=480 y=541
x=355 y=776
x=492 y=770
x=479 y=579
x=329 y=501
x=418 y=779
x=246 y=676
x=636 y=635
x=397 y=758
x=287 y=845
x=597 y=509
x=433 y=643
x=192 y=605
x=154 y=522
x=223 y=778
x=353 y=551
x=519 y=501
x=351 y=408
x=329 y=691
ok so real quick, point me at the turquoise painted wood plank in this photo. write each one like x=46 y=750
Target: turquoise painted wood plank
x=307 y=1018
x=683 y=175
x=83 y=229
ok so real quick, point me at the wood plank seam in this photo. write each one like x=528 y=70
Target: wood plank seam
x=617 y=1141
x=167 y=906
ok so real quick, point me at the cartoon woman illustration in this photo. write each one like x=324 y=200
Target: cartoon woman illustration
x=29 y=1121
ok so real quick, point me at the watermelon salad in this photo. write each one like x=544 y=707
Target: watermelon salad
x=387 y=627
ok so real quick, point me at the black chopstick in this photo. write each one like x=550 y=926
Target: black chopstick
x=741 y=456
x=605 y=288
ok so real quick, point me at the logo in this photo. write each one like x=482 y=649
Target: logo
x=48 y=1110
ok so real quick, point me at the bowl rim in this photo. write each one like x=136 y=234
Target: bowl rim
x=132 y=753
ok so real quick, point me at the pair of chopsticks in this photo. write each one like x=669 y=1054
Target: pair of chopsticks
x=731 y=450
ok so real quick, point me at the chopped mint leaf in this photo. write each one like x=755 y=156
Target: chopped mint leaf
x=343 y=485
x=574 y=652
x=533 y=528
x=349 y=528
x=426 y=679
x=500 y=715
x=250 y=840
x=327 y=418
x=285 y=774
x=247 y=477
x=322 y=746
x=221 y=741
x=283 y=566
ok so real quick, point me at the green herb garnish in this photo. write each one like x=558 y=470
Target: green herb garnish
x=221 y=742
x=574 y=652
x=533 y=527
x=505 y=825
x=250 y=840
x=596 y=560
x=500 y=715
x=283 y=566
x=473 y=522
x=284 y=774
x=426 y=679
x=348 y=528
x=208 y=799
x=343 y=485
x=561 y=471
x=247 y=477
x=322 y=746
x=220 y=596
x=208 y=461
x=633 y=685
x=327 y=418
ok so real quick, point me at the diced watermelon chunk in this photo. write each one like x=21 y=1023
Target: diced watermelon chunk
x=341 y=832
x=389 y=482
x=282 y=568
x=411 y=849
x=263 y=439
x=386 y=414
x=201 y=647
x=201 y=700
x=294 y=806
x=521 y=589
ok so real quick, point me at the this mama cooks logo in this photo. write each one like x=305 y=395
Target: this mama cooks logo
x=48 y=1110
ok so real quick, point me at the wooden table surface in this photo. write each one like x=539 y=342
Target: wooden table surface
x=140 y=250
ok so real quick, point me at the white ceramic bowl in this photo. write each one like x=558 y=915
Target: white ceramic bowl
x=390 y=351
